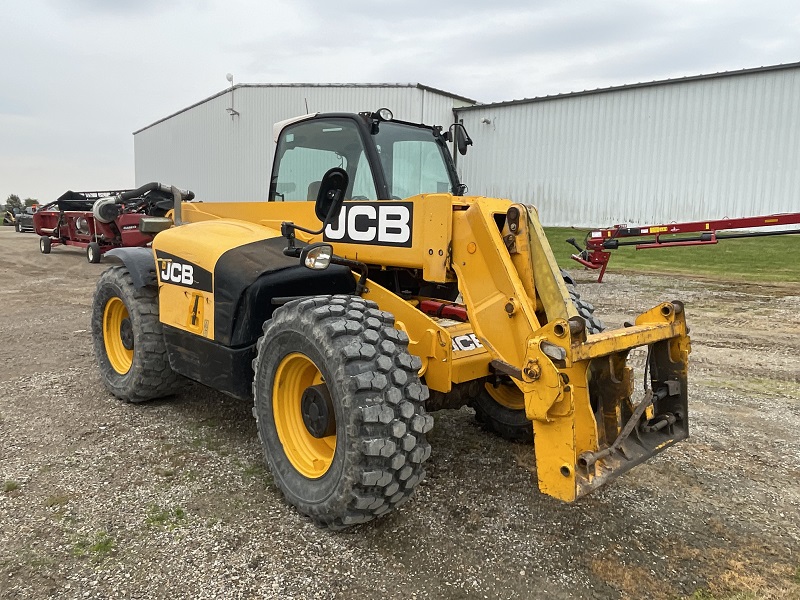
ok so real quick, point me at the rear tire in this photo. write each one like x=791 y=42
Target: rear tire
x=501 y=409
x=369 y=460
x=44 y=244
x=129 y=341
x=93 y=254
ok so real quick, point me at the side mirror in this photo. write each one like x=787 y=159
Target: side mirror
x=330 y=197
x=462 y=138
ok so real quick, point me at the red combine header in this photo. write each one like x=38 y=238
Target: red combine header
x=599 y=241
x=101 y=221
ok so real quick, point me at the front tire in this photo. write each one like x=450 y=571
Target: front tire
x=366 y=457
x=18 y=227
x=44 y=244
x=500 y=408
x=128 y=339
x=586 y=310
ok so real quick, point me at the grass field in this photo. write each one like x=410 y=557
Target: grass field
x=774 y=258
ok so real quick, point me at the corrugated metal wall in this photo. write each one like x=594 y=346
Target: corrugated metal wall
x=703 y=149
x=224 y=158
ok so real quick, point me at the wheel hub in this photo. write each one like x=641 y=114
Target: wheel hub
x=126 y=334
x=317 y=410
x=118 y=335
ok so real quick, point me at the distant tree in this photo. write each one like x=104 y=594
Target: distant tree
x=13 y=201
x=31 y=201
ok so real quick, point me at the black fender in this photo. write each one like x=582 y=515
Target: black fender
x=141 y=264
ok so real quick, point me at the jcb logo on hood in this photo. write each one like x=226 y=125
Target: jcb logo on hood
x=177 y=273
x=175 y=270
x=379 y=223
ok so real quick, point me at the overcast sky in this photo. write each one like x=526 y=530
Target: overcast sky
x=79 y=76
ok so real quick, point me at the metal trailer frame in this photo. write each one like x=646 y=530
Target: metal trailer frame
x=598 y=242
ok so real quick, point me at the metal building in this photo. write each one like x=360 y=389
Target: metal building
x=222 y=147
x=695 y=148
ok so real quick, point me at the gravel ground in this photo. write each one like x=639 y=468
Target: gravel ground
x=171 y=499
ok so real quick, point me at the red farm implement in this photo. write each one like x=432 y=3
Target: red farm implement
x=101 y=221
x=598 y=242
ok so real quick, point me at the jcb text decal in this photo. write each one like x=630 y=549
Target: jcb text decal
x=175 y=270
x=378 y=223
x=462 y=343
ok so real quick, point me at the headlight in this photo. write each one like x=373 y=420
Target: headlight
x=317 y=257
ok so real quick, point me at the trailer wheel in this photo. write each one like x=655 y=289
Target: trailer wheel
x=44 y=244
x=501 y=408
x=93 y=254
x=128 y=339
x=340 y=409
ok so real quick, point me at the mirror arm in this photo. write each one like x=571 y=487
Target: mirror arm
x=287 y=231
x=288 y=228
x=355 y=265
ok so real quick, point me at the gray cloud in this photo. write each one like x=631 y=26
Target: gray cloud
x=81 y=8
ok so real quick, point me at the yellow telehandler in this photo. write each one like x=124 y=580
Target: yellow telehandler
x=369 y=290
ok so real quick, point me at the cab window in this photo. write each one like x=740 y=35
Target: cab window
x=308 y=149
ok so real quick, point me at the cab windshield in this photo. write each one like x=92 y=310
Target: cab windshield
x=413 y=160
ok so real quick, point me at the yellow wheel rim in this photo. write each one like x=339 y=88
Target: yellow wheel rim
x=312 y=457
x=508 y=395
x=118 y=335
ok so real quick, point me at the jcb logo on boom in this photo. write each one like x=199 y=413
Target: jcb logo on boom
x=379 y=223
x=176 y=272
x=463 y=343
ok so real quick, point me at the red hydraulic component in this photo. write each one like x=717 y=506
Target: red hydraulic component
x=444 y=310
x=599 y=241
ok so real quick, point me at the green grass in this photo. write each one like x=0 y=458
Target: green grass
x=166 y=517
x=10 y=486
x=256 y=471
x=765 y=259
x=56 y=500
x=100 y=546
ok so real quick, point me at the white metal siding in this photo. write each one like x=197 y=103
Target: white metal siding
x=224 y=158
x=702 y=149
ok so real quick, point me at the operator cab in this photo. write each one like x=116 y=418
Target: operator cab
x=384 y=159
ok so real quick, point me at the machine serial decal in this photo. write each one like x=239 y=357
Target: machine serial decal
x=173 y=269
x=376 y=223
x=469 y=341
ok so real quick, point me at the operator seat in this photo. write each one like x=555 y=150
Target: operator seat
x=313 y=189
